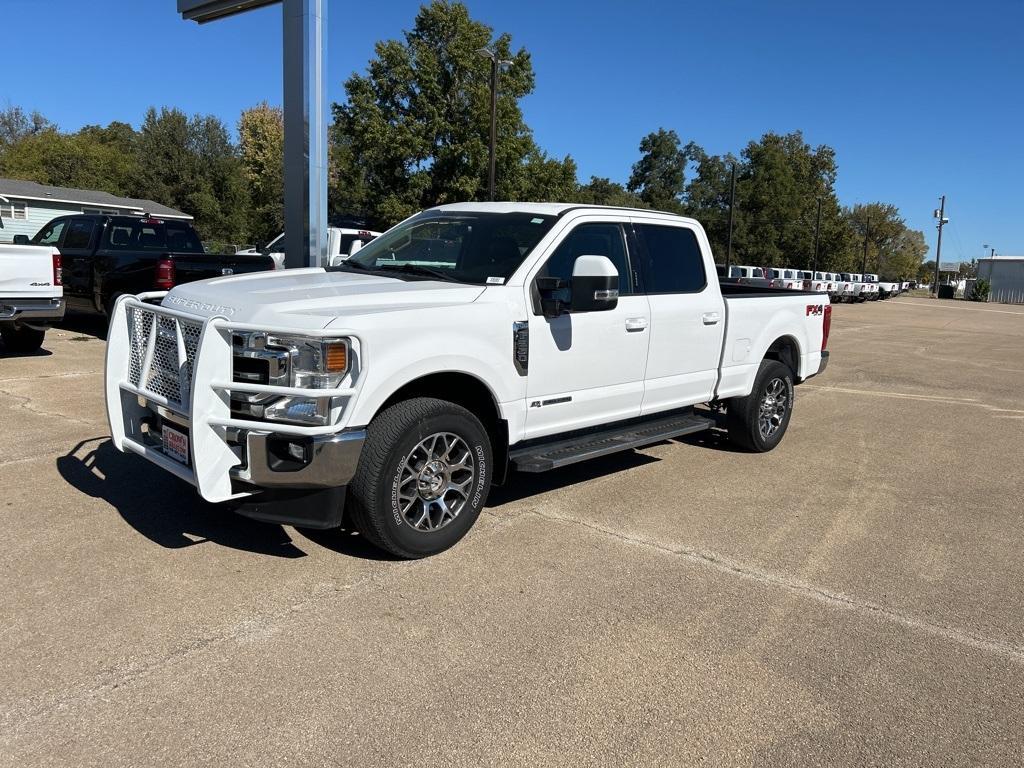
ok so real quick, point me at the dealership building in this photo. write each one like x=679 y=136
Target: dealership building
x=1006 y=276
x=26 y=206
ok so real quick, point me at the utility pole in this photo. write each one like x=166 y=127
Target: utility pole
x=867 y=229
x=732 y=204
x=817 y=231
x=940 y=214
x=496 y=64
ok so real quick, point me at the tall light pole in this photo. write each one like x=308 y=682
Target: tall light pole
x=496 y=65
x=732 y=205
x=817 y=231
x=940 y=214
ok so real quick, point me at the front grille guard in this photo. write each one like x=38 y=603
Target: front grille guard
x=201 y=391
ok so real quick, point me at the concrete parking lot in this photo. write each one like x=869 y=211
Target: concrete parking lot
x=852 y=598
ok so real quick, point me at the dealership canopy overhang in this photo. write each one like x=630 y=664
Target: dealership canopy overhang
x=305 y=118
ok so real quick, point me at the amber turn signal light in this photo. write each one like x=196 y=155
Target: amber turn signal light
x=336 y=356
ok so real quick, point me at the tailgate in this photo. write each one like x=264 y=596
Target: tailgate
x=26 y=272
x=190 y=267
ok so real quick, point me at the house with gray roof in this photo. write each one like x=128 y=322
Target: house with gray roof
x=26 y=206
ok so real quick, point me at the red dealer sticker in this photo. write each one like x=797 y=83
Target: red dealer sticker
x=815 y=309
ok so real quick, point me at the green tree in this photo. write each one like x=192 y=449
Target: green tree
x=414 y=130
x=779 y=184
x=926 y=272
x=893 y=250
x=93 y=158
x=16 y=124
x=191 y=164
x=659 y=176
x=261 y=145
x=604 y=191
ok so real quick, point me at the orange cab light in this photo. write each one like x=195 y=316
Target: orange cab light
x=336 y=356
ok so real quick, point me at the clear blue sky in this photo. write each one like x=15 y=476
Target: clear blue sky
x=917 y=98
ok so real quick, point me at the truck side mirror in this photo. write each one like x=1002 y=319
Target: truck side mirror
x=356 y=245
x=21 y=240
x=595 y=284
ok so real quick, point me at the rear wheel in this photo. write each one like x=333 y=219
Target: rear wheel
x=758 y=421
x=22 y=339
x=423 y=477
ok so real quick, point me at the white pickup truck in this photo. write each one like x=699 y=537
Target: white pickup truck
x=342 y=242
x=888 y=288
x=466 y=341
x=31 y=295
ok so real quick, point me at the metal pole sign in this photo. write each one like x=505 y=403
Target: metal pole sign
x=305 y=118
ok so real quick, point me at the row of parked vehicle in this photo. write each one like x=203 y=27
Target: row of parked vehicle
x=840 y=286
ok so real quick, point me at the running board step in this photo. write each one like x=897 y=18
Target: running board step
x=545 y=456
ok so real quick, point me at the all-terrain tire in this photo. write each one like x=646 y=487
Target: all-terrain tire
x=22 y=340
x=758 y=421
x=393 y=449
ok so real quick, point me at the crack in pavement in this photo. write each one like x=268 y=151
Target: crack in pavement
x=66 y=375
x=27 y=405
x=958 y=401
x=799 y=587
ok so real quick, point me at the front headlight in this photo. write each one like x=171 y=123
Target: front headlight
x=311 y=363
x=315 y=363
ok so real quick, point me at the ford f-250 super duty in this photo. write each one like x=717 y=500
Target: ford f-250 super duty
x=466 y=341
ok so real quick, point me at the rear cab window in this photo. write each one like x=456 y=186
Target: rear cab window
x=130 y=234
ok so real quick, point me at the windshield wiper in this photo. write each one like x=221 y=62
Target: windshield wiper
x=416 y=269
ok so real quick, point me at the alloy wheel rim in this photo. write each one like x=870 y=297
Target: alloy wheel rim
x=435 y=481
x=773 y=407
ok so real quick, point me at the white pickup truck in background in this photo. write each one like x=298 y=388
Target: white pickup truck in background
x=342 y=242
x=853 y=286
x=31 y=295
x=469 y=340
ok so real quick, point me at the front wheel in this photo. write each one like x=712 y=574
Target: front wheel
x=22 y=340
x=423 y=477
x=758 y=421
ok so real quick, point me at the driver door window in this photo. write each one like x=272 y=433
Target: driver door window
x=590 y=240
x=51 y=233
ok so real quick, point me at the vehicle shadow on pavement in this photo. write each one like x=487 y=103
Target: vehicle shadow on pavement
x=5 y=352
x=90 y=325
x=164 y=509
x=715 y=439
x=521 y=485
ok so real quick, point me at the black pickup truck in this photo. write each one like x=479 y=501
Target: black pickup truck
x=105 y=256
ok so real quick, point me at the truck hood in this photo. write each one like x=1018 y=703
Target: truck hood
x=312 y=298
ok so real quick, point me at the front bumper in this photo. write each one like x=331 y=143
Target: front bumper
x=31 y=310
x=328 y=461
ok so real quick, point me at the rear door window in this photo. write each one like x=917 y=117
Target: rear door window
x=79 y=234
x=671 y=261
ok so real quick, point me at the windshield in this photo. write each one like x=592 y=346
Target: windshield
x=471 y=247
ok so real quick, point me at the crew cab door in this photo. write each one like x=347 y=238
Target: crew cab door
x=586 y=368
x=77 y=251
x=687 y=315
